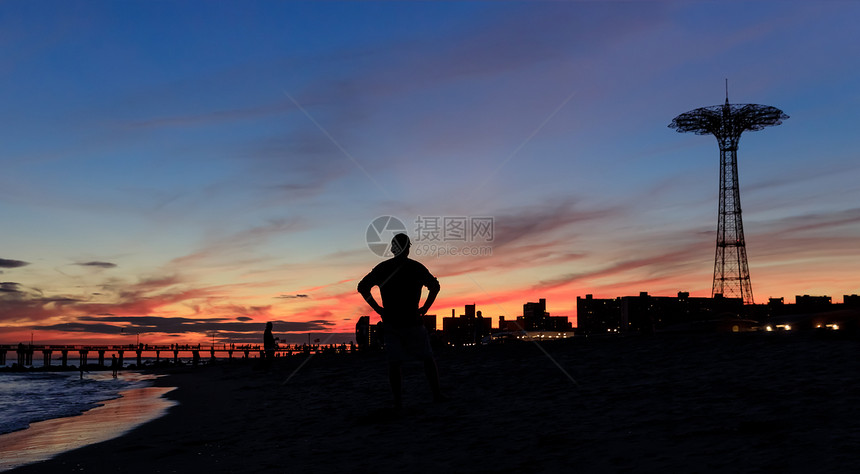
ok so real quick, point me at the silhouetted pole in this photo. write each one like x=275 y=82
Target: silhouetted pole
x=726 y=122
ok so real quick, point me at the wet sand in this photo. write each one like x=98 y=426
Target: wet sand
x=734 y=402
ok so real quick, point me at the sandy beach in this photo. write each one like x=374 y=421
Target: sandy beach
x=704 y=403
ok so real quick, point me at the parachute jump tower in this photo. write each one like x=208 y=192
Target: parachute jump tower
x=726 y=122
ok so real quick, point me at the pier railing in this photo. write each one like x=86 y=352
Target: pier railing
x=25 y=352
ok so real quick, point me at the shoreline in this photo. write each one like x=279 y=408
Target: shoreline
x=739 y=402
x=112 y=418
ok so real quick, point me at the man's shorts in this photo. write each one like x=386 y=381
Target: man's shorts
x=410 y=341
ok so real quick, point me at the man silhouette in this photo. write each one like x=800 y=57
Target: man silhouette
x=400 y=281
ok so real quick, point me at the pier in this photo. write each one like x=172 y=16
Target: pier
x=25 y=352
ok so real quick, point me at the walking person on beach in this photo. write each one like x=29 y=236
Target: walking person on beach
x=400 y=281
x=113 y=365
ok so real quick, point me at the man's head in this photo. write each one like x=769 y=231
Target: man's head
x=400 y=245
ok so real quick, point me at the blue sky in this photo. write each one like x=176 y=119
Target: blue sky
x=219 y=160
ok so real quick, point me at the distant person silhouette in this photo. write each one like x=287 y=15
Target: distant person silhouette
x=400 y=281
x=268 y=344
x=113 y=365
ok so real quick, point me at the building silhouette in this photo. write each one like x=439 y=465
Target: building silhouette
x=536 y=318
x=368 y=336
x=470 y=328
x=511 y=325
x=812 y=304
x=429 y=322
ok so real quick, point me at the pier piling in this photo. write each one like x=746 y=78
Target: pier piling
x=25 y=355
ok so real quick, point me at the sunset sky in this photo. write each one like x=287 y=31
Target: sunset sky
x=169 y=169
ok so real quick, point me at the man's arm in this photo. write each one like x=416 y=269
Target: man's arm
x=373 y=304
x=364 y=287
x=433 y=286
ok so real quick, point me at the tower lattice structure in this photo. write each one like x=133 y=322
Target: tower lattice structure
x=726 y=122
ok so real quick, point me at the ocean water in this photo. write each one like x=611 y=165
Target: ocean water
x=27 y=397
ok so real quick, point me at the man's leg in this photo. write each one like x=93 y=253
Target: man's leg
x=395 y=378
x=432 y=373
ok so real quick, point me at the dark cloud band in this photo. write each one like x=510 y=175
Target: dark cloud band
x=7 y=263
x=98 y=264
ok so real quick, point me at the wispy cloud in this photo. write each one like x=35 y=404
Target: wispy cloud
x=815 y=222
x=534 y=223
x=531 y=236
x=298 y=163
x=213 y=117
x=798 y=239
x=226 y=247
x=660 y=266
